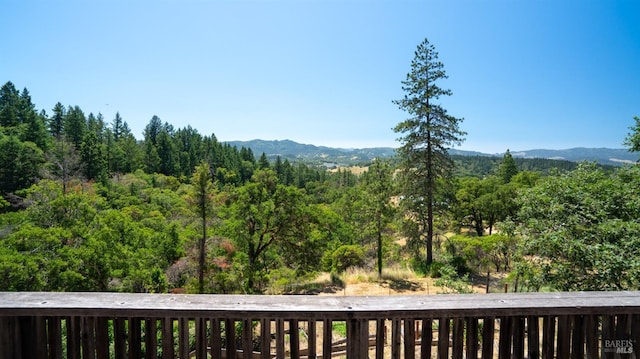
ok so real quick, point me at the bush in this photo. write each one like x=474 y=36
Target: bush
x=347 y=256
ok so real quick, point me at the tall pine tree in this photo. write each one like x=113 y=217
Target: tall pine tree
x=427 y=135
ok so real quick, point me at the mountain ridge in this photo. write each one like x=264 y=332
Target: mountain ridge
x=333 y=156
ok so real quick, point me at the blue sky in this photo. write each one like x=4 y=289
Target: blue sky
x=524 y=74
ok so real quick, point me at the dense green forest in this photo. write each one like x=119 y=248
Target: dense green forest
x=86 y=206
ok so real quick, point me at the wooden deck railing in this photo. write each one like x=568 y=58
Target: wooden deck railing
x=120 y=325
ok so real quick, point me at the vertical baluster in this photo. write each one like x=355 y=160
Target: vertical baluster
x=577 y=336
x=591 y=336
x=504 y=343
x=533 y=337
x=119 y=338
x=230 y=333
x=380 y=338
x=426 y=339
x=247 y=338
x=311 y=341
x=265 y=338
x=564 y=336
x=54 y=332
x=395 y=338
x=294 y=339
x=73 y=338
x=472 y=338
x=458 y=338
x=280 y=339
x=548 y=337
x=151 y=338
x=102 y=338
x=135 y=338
x=517 y=331
x=167 y=338
x=608 y=333
x=201 y=338
x=409 y=339
x=183 y=337
x=327 y=338
x=353 y=339
x=443 y=338
x=88 y=333
x=488 y=333
x=216 y=338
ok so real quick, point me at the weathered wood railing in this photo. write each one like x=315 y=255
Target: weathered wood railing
x=108 y=325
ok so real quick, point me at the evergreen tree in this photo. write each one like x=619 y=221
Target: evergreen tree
x=263 y=163
x=93 y=158
x=378 y=190
x=507 y=168
x=56 y=123
x=201 y=197
x=426 y=137
x=75 y=125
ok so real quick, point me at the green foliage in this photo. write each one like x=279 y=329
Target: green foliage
x=347 y=256
x=581 y=229
x=633 y=138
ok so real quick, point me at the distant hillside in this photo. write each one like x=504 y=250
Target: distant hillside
x=330 y=156
x=311 y=154
x=605 y=156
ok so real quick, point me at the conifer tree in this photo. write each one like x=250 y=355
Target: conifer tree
x=427 y=135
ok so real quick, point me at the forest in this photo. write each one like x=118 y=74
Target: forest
x=88 y=207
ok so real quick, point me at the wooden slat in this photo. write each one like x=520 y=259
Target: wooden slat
x=54 y=333
x=395 y=338
x=488 y=333
x=247 y=338
x=201 y=338
x=216 y=338
x=120 y=338
x=380 y=338
x=564 y=337
x=443 y=338
x=294 y=339
x=183 y=337
x=280 y=354
x=517 y=335
x=458 y=338
x=167 y=338
x=265 y=339
x=504 y=339
x=135 y=337
x=471 y=345
x=409 y=339
x=533 y=337
x=151 y=338
x=88 y=331
x=73 y=338
x=577 y=336
x=312 y=340
x=591 y=337
x=548 y=337
x=327 y=338
x=426 y=337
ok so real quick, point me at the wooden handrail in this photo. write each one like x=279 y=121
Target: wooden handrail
x=104 y=325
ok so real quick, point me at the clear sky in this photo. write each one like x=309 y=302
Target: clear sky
x=525 y=74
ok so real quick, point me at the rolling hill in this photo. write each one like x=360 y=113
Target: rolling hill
x=330 y=157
